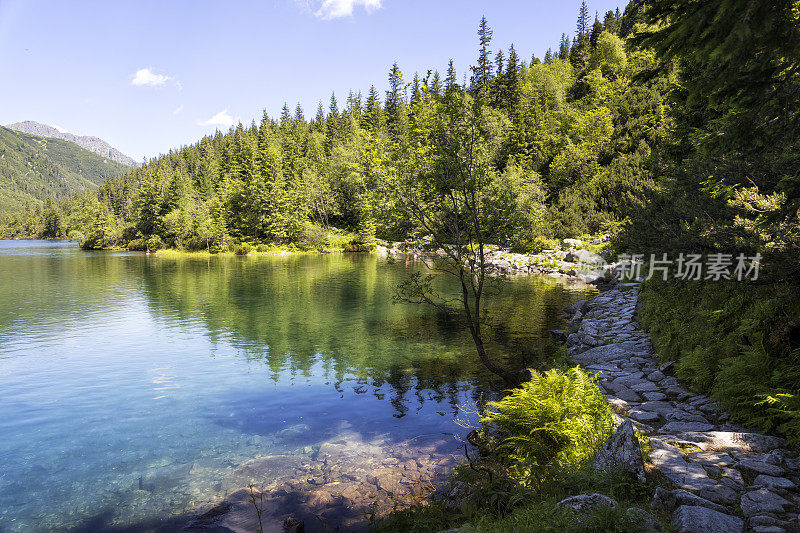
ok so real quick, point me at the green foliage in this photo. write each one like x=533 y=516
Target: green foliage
x=34 y=168
x=554 y=423
x=736 y=341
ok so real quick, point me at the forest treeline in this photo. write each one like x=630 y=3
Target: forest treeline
x=674 y=126
x=571 y=139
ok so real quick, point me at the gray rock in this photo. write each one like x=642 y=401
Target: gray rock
x=729 y=440
x=584 y=503
x=621 y=453
x=644 y=416
x=663 y=500
x=455 y=497
x=683 y=497
x=768 y=529
x=695 y=519
x=670 y=462
x=772 y=482
x=762 y=501
x=720 y=493
x=680 y=427
x=572 y=243
x=656 y=376
x=756 y=466
x=762 y=521
x=655 y=396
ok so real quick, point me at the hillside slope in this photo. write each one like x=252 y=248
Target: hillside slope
x=93 y=144
x=34 y=168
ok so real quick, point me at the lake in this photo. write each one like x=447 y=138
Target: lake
x=137 y=389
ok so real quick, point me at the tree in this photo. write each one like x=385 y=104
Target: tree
x=440 y=182
x=395 y=104
x=597 y=29
x=450 y=81
x=482 y=72
x=372 y=113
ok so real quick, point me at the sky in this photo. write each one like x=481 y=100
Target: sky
x=152 y=75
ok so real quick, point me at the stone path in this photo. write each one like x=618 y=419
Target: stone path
x=726 y=478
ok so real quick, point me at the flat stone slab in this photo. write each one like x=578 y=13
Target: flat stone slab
x=730 y=440
x=680 y=427
x=773 y=482
x=762 y=501
x=696 y=519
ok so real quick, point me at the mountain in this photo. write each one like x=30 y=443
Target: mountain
x=93 y=144
x=33 y=168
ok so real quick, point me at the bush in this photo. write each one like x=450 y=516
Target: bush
x=554 y=423
x=242 y=248
x=154 y=243
x=736 y=341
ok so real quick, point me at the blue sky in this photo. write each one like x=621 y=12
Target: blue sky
x=151 y=75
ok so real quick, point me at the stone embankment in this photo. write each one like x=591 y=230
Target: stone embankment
x=725 y=478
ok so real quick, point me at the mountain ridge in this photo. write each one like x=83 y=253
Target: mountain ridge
x=88 y=142
x=34 y=168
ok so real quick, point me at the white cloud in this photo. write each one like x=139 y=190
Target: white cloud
x=334 y=9
x=146 y=77
x=178 y=109
x=222 y=118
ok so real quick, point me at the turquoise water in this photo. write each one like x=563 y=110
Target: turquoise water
x=132 y=385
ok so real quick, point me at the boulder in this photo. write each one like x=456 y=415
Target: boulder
x=586 y=503
x=621 y=453
x=696 y=519
x=572 y=243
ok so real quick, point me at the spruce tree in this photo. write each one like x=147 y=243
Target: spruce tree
x=482 y=72
x=597 y=29
x=450 y=81
x=395 y=103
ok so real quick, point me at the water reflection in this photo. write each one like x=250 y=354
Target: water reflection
x=134 y=388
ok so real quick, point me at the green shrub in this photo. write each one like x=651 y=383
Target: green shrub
x=736 y=341
x=242 y=248
x=554 y=423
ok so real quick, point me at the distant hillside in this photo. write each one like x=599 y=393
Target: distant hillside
x=34 y=168
x=93 y=144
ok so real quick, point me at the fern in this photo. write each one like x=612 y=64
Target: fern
x=554 y=423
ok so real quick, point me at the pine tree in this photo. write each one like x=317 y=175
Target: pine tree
x=436 y=84
x=372 y=112
x=299 y=117
x=450 y=82
x=597 y=29
x=286 y=116
x=482 y=72
x=610 y=22
x=548 y=56
x=563 y=47
x=395 y=103
x=499 y=62
x=579 y=52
